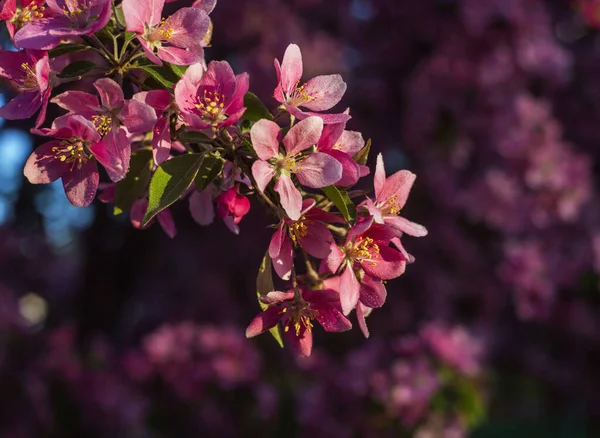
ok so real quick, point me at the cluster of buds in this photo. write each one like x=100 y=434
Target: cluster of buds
x=165 y=126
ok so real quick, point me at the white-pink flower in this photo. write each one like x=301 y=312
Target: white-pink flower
x=313 y=170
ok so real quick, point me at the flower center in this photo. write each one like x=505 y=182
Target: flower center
x=72 y=151
x=362 y=250
x=298 y=229
x=391 y=206
x=103 y=124
x=211 y=105
x=29 y=81
x=27 y=14
x=164 y=30
x=74 y=9
x=300 y=96
x=299 y=316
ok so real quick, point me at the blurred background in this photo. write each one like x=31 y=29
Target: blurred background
x=493 y=332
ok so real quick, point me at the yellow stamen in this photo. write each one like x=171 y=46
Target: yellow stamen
x=300 y=96
x=211 y=106
x=72 y=151
x=298 y=229
x=27 y=14
x=363 y=249
x=103 y=124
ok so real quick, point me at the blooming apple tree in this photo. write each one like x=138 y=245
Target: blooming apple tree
x=160 y=125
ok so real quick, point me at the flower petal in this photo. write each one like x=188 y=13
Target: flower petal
x=319 y=170
x=398 y=185
x=289 y=196
x=137 y=116
x=263 y=173
x=349 y=290
x=78 y=102
x=277 y=241
x=372 y=292
x=386 y=265
x=291 y=68
x=327 y=91
x=265 y=139
x=202 y=208
x=264 y=321
x=165 y=219
x=406 y=226
x=80 y=184
x=139 y=13
x=42 y=167
x=303 y=135
x=23 y=106
x=284 y=261
x=331 y=319
x=317 y=240
x=161 y=140
x=335 y=257
x=111 y=94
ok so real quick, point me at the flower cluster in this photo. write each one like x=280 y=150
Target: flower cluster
x=164 y=125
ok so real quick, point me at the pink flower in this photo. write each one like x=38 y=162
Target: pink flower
x=71 y=158
x=232 y=207
x=176 y=39
x=318 y=94
x=16 y=13
x=29 y=71
x=309 y=232
x=367 y=249
x=313 y=170
x=296 y=316
x=390 y=197
x=106 y=115
x=69 y=18
x=160 y=101
x=215 y=99
x=343 y=146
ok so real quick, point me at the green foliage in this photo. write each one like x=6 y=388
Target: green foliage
x=162 y=75
x=255 y=109
x=64 y=49
x=362 y=155
x=77 y=68
x=209 y=169
x=135 y=183
x=179 y=70
x=264 y=285
x=342 y=201
x=170 y=181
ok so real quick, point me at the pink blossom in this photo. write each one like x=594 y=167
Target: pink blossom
x=69 y=18
x=232 y=207
x=367 y=251
x=160 y=101
x=16 y=13
x=70 y=158
x=455 y=346
x=314 y=170
x=296 y=315
x=215 y=99
x=308 y=232
x=29 y=71
x=343 y=146
x=390 y=197
x=176 y=39
x=318 y=94
x=105 y=115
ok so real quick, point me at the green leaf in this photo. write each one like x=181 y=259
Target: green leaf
x=342 y=201
x=255 y=109
x=264 y=285
x=120 y=17
x=170 y=181
x=193 y=137
x=162 y=75
x=67 y=48
x=77 y=68
x=362 y=155
x=135 y=183
x=209 y=170
x=179 y=70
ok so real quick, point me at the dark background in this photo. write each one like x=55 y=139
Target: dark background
x=493 y=331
